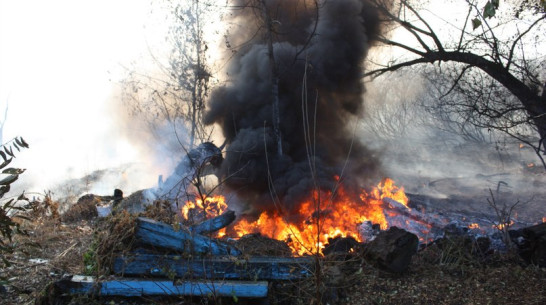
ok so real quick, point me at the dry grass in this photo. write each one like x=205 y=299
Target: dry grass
x=113 y=236
x=430 y=283
x=161 y=210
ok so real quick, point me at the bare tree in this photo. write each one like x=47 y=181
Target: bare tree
x=176 y=92
x=493 y=60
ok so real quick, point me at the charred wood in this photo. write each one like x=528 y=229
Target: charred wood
x=341 y=245
x=393 y=205
x=392 y=250
x=531 y=244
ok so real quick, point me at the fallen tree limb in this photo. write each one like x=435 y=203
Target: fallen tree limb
x=393 y=205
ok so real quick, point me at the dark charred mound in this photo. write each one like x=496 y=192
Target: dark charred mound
x=84 y=209
x=259 y=245
x=531 y=244
x=392 y=250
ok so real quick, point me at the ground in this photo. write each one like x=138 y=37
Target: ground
x=54 y=249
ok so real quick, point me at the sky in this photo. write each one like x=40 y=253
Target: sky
x=60 y=62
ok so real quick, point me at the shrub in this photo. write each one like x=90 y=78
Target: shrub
x=9 y=210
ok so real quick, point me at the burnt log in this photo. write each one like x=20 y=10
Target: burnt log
x=531 y=243
x=393 y=205
x=228 y=268
x=203 y=160
x=214 y=224
x=392 y=250
x=161 y=235
x=132 y=287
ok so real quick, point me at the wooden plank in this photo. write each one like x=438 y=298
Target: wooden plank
x=131 y=287
x=161 y=235
x=255 y=268
x=214 y=224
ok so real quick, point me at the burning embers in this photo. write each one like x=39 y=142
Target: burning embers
x=323 y=216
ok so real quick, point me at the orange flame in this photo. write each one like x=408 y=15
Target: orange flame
x=502 y=226
x=473 y=226
x=211 y=207
x=324 y=215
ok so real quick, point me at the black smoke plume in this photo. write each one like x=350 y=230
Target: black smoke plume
x=328 y=44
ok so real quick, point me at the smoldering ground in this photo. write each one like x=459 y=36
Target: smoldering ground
x=318 y=53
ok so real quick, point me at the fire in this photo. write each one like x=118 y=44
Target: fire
x=210 y=207
x=502 y=226
x=473 y=226
x=322 y=216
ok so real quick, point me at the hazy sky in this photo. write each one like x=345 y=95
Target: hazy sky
x=59 y=61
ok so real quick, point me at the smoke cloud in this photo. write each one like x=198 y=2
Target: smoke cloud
x=325 y=46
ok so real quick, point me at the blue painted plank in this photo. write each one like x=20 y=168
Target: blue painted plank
x=214 y=224
x=145 y=287
x=159 y=234
x=254 y=268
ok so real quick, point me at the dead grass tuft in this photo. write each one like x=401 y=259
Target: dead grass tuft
x=44 y=209
x=115 y=235
x=160 y=210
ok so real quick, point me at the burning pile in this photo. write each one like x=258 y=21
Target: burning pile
x=291 y=158
x=322 y=217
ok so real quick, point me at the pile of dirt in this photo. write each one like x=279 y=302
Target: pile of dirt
x=84 y=209
x=135 y=203
x=259 y=245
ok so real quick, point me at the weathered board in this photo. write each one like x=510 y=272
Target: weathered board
x=161 y=235
x=254 y=268
x=214 y=224
x=142 y=287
